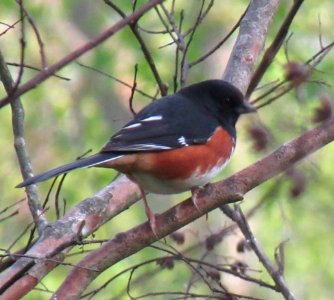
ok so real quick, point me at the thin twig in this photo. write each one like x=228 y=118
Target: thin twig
x=200 y=19
x=144 y=48
x=117 y=80
x=46 y=73
x=166 y=25
x=184 y=60
x=317 y=58
x=272 y=50
x=134 y=85
x=14 y=213
x=20 y=146
x=180 y=42
x=57 y=195
x=215 y=48
x=275 y=97
x=36 y=69
x=22 y=48
x=237 y=216
x=177 y=57
x=269 y=91
x=9 y=26
x=37 y=34
x=310 y=63
x=10 y=206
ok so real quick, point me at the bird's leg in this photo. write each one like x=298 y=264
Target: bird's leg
x=152 y=217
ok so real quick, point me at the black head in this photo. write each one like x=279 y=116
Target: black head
x=221 y=99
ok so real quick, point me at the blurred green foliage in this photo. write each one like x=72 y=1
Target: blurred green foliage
x=64 y=119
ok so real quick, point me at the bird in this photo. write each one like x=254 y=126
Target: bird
x=177 y=143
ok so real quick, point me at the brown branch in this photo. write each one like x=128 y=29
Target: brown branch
x=180 y=41
x=184 y=60
x=237 y=216
x=14 y=213
x=215 y=48
x=20 y=148
x=116 y=79
x=37 y=34
x=123 y=193
x=36 y=69
x=272 y=50
x=22 y=50
x=170 y=31
x=95 y=211
x=317 y=58
x=229 y=190
x=285 y=86
x=144 y=48
x=177 y=58
x=250 y=42
x=11 y=205
x=9 y=26
x=133 y=89
x=46 y=73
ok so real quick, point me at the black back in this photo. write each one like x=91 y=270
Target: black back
x=187 y=117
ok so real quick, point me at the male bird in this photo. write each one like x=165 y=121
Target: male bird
x=177 y=143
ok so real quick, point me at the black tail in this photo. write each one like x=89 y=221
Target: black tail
x=78 y=164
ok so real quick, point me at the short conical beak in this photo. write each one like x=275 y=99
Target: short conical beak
x=245 y=108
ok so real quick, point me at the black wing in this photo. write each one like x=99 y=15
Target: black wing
x=168 y=123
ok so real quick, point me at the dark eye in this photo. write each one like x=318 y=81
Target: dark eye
x=228 y=99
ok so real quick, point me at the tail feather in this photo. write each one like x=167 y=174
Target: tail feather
x=78 y=164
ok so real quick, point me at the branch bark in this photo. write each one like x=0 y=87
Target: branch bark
x=250 y=43
x=229 y=190
x=20 y=146
x=80 y=222
x=238 y=217
x=50 y=71
x=93 y=212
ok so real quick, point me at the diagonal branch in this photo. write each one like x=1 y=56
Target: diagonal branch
x=123 y=193
x=144 y=48
x=20 y=148
x=48 y=72
x=238 y=217
x=250 y=42
x=80 y=222
x=229 y=190
x=274 y=47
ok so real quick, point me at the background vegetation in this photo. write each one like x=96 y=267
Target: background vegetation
x=66 y=118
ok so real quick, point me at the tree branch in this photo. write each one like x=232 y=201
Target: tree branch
x=144 y=48
x=250 y=42
x=122 y=192
x=80 y=222
x=237 y=216
x=46 y=73
x=274 y=47
x=20 y=146
x=229 y=190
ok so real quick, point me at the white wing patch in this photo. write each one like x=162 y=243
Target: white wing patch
x=149 y=119
x=149 y=147
x=134 y=125
x=152 y=118
x=182 y=141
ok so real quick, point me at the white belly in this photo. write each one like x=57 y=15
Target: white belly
x=160 y=186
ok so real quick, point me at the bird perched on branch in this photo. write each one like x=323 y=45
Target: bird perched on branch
x=177 y=143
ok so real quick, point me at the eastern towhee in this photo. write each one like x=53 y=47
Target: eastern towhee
x=177 y=143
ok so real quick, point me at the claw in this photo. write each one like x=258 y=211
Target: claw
x=194 y=197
